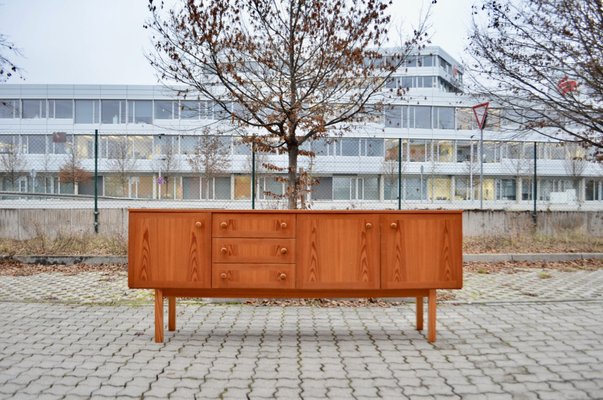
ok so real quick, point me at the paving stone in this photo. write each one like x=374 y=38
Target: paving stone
x=517 y=350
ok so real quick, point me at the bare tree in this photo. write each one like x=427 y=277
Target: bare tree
x=13 y=164
x=575 y=164
x=72 y=170
x=290 y=69
x=541 y=60
x=167 y=163
x=122 y=161
x=210 y=157
x=7 y=67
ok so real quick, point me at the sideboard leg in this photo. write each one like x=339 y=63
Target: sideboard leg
x=171 y=313
x=420 y=313
x=431 y=334
x=158 y=316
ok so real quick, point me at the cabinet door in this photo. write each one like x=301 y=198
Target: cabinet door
x=338 y=251
x=169 y=249
x=421 y=251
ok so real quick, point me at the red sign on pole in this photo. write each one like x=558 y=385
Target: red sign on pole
x=481 y=113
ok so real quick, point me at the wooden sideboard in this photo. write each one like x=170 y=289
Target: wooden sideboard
x=294 y=254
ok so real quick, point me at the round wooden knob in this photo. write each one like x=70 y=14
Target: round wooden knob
x=283 y=225
x=369 y=225
x=393 y=225
x=223 y=250
x=284 y=250
x=282 y=276
x=223 y=275
x=198 y=224
x=224 y=225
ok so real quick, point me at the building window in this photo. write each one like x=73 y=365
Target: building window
x=418 y=150
x=191 y=187
x=166 y=109
x=8 y=143
x=393 y=116
x=463 y=152
x=349 y=147
x=414 y=188
x=406 y=82
x=10 y=108
x=140 y=111
x=270 y=187
x=242 y=148
x=60 y=109
x=371 y=147
x=142 y=147
x=491 y=152
x=506 y=189
x=439 y=188
x=34 y=108
x=416 y=117
x=85 y=146
x=445 y=151
x=242 y=187
x=323 y=190
x=422 y=116
x=87 y=111
x=465 y=120
x=390 y=187
x=34 y=144
x=443 y=117
x=189 y=109
x=594 y=190
x=428 y=61
x=355 y=188
x=60 y=142
x=113 y=111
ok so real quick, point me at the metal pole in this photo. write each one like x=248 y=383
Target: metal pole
x=253 y=175
x=535 y=186
x=96 y=181
x=481 y=168
x=399 y=173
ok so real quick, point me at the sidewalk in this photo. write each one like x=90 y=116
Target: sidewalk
x=111 y=288
x=530 y=336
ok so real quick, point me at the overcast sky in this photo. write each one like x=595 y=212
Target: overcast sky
x=103 y=41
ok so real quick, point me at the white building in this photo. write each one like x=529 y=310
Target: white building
x=148 y=140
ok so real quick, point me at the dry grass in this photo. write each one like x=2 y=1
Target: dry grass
x=565 y=242
x=9 y=267
x=66 y=245
x=63 y=244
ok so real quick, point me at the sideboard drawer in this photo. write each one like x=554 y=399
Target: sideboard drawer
x=253 y=225
x=235 y=250
x=256 y=276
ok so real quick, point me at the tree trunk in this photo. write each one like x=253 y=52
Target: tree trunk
x=292 y=181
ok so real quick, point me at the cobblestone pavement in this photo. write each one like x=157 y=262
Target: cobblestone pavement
x=529 y=335
x=112 y=288
x=536 y=350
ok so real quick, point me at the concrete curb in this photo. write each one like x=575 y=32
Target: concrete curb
x=99 y=260
x=531 y=257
